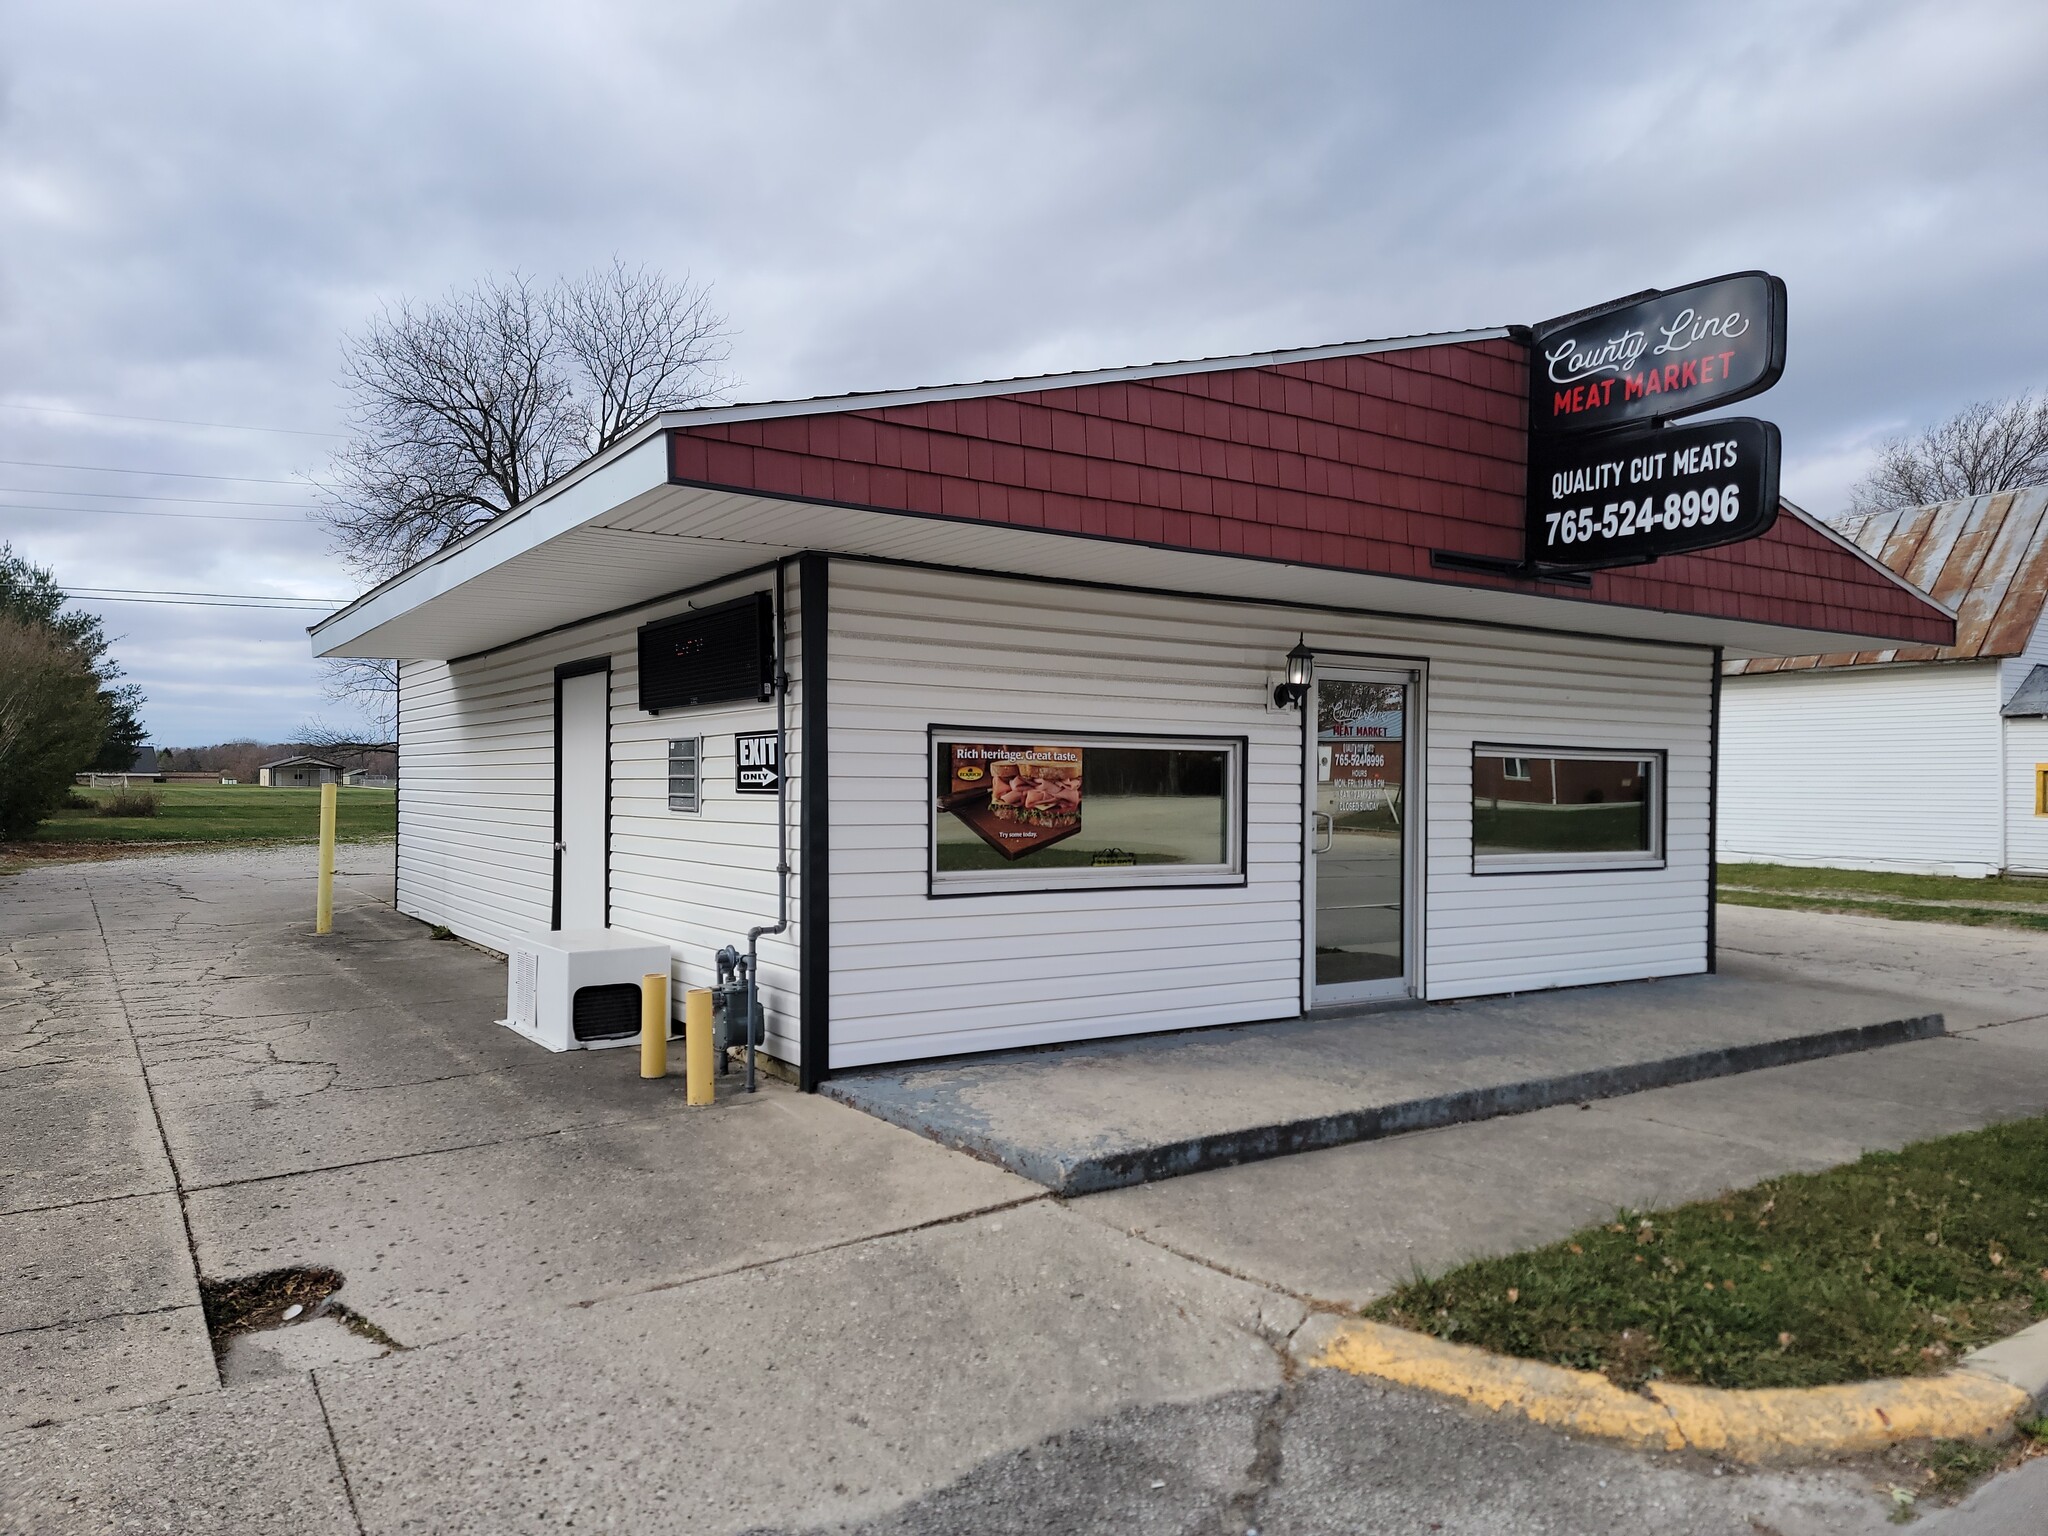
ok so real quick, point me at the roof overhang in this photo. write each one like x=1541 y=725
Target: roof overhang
x=619 y=533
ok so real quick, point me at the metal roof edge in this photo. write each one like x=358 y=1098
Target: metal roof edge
x=647 y=429
x=877 y=400
x=711 y=415
x=1836 y=536
x=2029 y=701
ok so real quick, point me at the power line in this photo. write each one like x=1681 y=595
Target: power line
x=194 y=602
x=220 y=517
x=196 y=501
x=264 y=597
x=175 y=474
x=165 y=421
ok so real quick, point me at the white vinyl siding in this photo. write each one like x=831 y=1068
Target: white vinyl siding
x=914 y=976
x=1894 y=767
x=2026 y=834
x=476 y=807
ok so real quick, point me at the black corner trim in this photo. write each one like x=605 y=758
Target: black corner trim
x=1714 y=818
x=814 y=881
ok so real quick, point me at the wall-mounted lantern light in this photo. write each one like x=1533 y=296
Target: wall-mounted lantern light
x=1301 y=671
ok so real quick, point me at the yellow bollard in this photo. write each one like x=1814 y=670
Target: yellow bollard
x=323 y=905
x=654 y=1024
x=698 y=1056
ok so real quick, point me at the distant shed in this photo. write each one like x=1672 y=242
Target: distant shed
x=298 y=773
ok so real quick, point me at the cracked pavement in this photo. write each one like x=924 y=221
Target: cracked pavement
x=778 y=1314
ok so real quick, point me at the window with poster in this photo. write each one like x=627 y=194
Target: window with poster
x=1072 y=810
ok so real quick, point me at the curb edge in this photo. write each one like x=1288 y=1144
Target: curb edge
x=1979 y=1400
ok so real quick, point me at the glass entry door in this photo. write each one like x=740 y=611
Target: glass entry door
x=1358 y=835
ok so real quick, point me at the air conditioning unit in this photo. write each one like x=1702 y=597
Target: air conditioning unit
x=578 y=989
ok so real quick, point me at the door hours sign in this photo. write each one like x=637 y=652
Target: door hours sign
x=1609 y=482
x=759 y=763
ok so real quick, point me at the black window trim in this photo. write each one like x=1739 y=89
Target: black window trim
x=1239 y=824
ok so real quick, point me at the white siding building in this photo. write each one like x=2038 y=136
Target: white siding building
x=1921 y=759
x=1020 y=659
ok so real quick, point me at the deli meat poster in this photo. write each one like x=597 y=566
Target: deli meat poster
x=1016 y=799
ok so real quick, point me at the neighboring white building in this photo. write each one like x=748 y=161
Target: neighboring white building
x=1926 y=759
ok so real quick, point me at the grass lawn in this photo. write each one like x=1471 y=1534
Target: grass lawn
x=210 y=813
x=1889 y=1266
x=1997 y=902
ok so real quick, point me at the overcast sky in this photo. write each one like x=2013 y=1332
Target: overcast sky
x=198 y=200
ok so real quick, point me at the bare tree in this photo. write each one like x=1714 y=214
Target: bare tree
x=368 y=684
x=466 y=407
x=641 y=344
x=1994 y=445
x=350 y=748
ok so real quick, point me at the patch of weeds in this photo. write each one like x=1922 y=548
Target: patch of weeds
x=1954 y=1465
x=2035 y=1430
x=440 y=931
x=1893 y=1265
x=361 y=1326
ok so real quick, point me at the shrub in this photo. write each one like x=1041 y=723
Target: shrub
x=74 y=801
x=141 y=802
x=51 y=722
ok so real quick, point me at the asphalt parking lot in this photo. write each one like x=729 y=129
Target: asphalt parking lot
x=779 y=1313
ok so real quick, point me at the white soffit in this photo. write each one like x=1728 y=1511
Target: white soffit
x=623 y=536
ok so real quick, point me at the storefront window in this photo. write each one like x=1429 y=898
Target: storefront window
x=1066 y=811
x=1534 y=810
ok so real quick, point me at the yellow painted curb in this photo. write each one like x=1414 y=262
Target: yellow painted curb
x=1582 y=1401
x=1758 y=1425
x=1771 y=1424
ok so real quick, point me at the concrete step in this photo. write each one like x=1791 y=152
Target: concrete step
x=1110 y=1114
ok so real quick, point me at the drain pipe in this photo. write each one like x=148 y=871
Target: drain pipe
x=755 y=935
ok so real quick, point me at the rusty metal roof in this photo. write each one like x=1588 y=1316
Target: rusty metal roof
x=1986 y=557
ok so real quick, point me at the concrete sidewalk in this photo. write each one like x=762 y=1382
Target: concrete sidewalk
x=778 y=1314
x=1085 y=1118
x=1345 y=1225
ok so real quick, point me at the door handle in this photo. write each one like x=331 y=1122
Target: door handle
x=1324 y=819
x=561 y=847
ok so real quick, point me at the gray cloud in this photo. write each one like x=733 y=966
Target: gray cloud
x=199 y=200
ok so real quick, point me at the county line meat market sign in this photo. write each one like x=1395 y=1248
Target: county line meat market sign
x=1609 y=482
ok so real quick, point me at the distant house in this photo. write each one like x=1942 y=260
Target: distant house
x=367 y=778
x=147 y=768
x=298 y=773
x=1925 y=759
